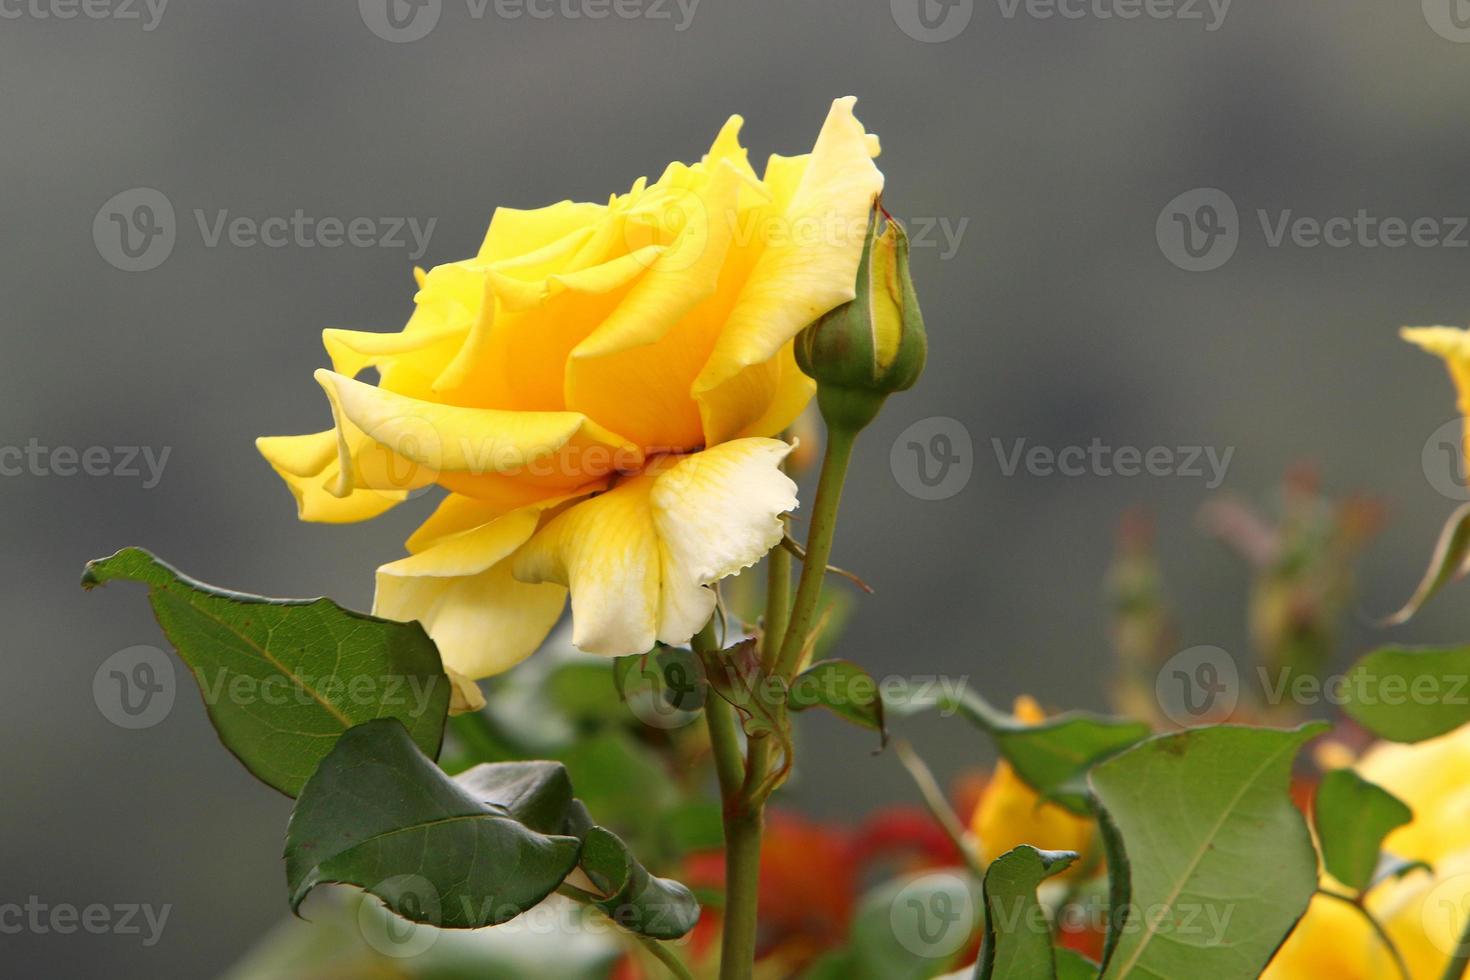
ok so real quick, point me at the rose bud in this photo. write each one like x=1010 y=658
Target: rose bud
x=866 y=349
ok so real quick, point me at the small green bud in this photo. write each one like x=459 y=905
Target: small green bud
x=864 y=350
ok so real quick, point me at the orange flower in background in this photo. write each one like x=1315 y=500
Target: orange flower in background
x=597 y=388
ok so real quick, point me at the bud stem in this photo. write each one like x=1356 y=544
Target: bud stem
x=840 y=441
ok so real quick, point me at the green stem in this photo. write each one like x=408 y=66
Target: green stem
x=742 y=829
x=742 y=892
x=818 y=548
x=1383 y=936
x=724 y=739
x=1455 y=968
x=655 y=948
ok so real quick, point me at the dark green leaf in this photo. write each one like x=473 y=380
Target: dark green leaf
x=1408 y=694
x=1017 y=943
x=634 y=899
x=1450 y=561
x=537 y=794
x=1353 y=816
x=380 y=815
x=1220 y=862
x=843 y=688
x=282 y=679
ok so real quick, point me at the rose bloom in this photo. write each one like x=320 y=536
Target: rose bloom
x=597 y=389
x=1423 y=911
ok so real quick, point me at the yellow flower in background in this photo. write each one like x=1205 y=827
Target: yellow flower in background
x=1453 y=345
x=1011 y=813
x=597 y=389
x=1423 y=912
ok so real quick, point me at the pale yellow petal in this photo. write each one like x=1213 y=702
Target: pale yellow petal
x=461 y=588
x=718 y=511
x=607 y=552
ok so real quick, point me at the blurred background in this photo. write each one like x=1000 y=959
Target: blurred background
x=1075 y=290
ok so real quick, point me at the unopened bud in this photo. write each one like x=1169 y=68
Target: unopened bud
x=863 y=351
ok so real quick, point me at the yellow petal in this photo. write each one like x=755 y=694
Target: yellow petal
x=553 y=449
x=686 y=272
x=639 y=558
x=1453 y=345
x=462 y=590
x=718 y=511
x=811 y=266
x=309 y=465
x=464 y=694
x=606 y=552
x=514 y=231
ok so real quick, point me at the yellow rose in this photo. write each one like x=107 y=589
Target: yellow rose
x=1423 y=912
x=597 y=389
x=1011 y=813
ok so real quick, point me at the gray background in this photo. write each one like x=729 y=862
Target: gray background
x=1059 y=319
